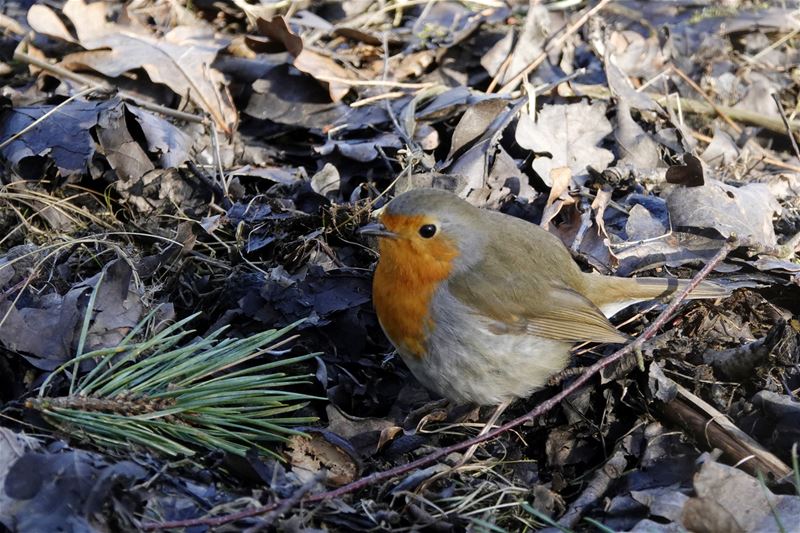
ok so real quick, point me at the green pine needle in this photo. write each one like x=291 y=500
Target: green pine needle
x=173 y=397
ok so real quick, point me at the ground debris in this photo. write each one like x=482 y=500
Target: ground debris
x=173 y=159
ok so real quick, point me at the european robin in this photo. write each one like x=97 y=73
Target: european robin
x=484 y=307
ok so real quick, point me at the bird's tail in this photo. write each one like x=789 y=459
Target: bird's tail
x=613 y=294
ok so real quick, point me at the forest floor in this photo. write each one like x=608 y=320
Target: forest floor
x=183 y=178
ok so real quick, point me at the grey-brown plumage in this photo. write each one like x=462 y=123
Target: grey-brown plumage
x=512 y=303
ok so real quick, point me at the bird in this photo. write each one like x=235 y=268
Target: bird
x=483 y=307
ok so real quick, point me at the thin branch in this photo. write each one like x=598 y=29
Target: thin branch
x=556 y=43
x=44 y=117
x=595 y=490
x=719 y=111
x=287 y=503
x=538 y=411
x=786 y=123
x=690 y=105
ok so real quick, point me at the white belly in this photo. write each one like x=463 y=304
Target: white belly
x=469 y=363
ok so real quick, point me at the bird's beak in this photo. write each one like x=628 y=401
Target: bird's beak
x=376 y=229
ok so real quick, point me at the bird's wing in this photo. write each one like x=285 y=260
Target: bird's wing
x=572 y=318
x=529 y=284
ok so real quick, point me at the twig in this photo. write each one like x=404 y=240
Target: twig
x=712 y=429
x=44 y=117
x=724 y=115
x=771 y=47
x=764 y=159
x=597 y=487
x=372 y=99
x=291 y=501
x=788 y=126
x=577 y=25
x=707 y=98
x=742 y=115
x=539 y=410
x=500 y=72
x=61 y=72
x=406 y=135
x=690 y=105
x=373 y=83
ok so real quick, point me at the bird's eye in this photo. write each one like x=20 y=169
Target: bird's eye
x=427 y=231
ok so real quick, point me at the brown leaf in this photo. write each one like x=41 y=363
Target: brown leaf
x=281 y=37
x=310 y=454
x=45 y=21
x=180 y=59
x=690 y=174
x=326 y=70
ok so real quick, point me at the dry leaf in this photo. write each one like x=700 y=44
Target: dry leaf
x=569 y=133
x=181 y=59
x=326 y=70
x=312 y=453
x=560 y=178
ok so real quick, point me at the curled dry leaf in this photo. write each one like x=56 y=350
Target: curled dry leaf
x=560 y=178
x=690 y=174
x=44 y=20
x=281 y=37
x=323 y=450
x=320 y=67
x=722 y=150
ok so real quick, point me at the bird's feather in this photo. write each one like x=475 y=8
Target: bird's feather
x=528 y=283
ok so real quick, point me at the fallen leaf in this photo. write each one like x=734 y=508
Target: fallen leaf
x=474 y=122
x=168 y=143
x=327 y=181
x=538 y=27
x=690 y=174
x=745 y=211
x=360 y=150
x=54 y=489
x=560 y=179
x=636 y=146
x=722 y=150
x=326 y=70
x=42 y=19
x=117 y=309
x=65 y=136
x=730 y=500
x=180 y=59
x=566 y=135
x=281 y=37
x=124 y=154
x=323 y=451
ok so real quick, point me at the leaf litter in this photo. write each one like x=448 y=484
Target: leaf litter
x=215 y=160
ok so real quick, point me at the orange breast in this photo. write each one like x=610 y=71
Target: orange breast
x=408 y=273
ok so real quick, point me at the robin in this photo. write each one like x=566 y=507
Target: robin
x=484 y=307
